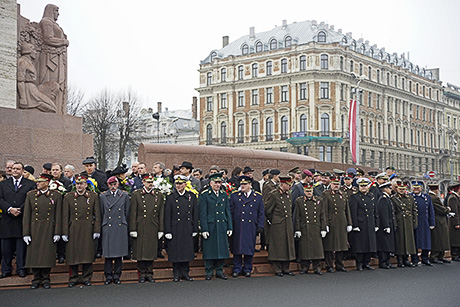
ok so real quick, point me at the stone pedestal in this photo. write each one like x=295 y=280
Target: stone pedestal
x=33 y=137
x=8 y=51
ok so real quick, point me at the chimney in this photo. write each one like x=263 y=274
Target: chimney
x=284 y=23
x=224 y=41
x=195 y=108
x=159 y=107
x=252 y=32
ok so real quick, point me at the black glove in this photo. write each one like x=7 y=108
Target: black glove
x=259 y=230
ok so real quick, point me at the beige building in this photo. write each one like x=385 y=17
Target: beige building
x=289 y=89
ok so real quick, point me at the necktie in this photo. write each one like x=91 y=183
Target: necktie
x=15 y=185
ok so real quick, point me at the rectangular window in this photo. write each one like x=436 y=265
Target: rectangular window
x=269 y=91
x=378 y=76
x=372 y=161
x=284 y=66
x=255 y=68
x=321 y=153
x=241 y=99
x=269 y=68
x=380 y=160
x=299 y=150
x=305 y=150
x=208 y=103
x=342 y=97
x=223 y=75
x=223 y=100
x=208 y=78
x=324 y=61
x=369 y=73
x=284 y=149
x=255 y=97
x=303 y=91
x=240 y=72
x=284 y=93
x=378 y=101
x=369 y=100
x=303 y=62
x=324 y=90
x=329 y=154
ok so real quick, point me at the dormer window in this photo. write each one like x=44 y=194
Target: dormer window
x=353 y=46
x=259 y=47
x=288 y=41
x=344 y=40
x=273 y=44
x=363 y=49
x=322 y=37
x=213 y=56
x=245 y=49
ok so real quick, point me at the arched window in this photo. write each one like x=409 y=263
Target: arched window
x=245 y=49
x=223 y=75
x=344 y=40
x=325 y=124
x=254 y=130
x=240 y=131
x=353 y=46
x=269 y=129
x=213 y=56
x=284 y=127
x=208 y=78
x=303 y=123
x=363 y=49
x=255 y=68
x=324 y=61
x=208 y=134
x=223 y=132
x=371 y=53
x=322 y=37
x=259 y=47
x=288 y=41
x=352 y=66
x=273 y=44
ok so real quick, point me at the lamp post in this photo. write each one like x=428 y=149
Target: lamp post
x=156 y=116
x=358 y=94
x=453 y=145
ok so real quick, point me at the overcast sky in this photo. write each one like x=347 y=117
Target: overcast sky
x=155 y=47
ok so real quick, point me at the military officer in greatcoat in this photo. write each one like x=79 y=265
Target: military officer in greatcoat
x=114 y=221
x=278 y=212
x=454 y=222
x=386 y=235
x=216 y=227
x=374 y=186
x=181 y=226
x=81 y=225
x=42 y=229
x=347 y=188
x=440 y=233
x=364 y=219
x=270 y=185
x=248 y=217
x=406 y=220
x=426 y=222
x=335 y=204
x=146 y=224
x=310 y=228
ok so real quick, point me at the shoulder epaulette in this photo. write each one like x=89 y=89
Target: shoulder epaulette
x=257 y=192
x=32 y=191
x=317 y=184
x=204 y=191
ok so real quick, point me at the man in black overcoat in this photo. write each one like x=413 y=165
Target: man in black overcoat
x=386 y=235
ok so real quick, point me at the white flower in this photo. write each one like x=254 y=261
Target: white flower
x=53 y=186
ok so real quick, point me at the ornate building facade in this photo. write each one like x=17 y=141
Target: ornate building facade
x=289 y=89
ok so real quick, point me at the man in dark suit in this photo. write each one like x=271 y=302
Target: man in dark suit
x=56 y=171
x=93 y=172
x=141 y=170
x=13 y=192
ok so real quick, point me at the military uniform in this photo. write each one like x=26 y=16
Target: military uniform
x=42 y=221
x=338 y=217
x=268 y=186
x=146 y=217
x=454 y=233
x=310 y=220
x=181 y=221
x=386 y=242
x=278 y=210
x=81 y=219
x=425 y=220
x=406 y=219
x=440 y=234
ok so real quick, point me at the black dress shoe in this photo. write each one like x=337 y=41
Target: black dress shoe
x=359 y=267
x=456 y=259
x=436 y=261
x=247 y=274
x=341 y=269
x=400 y=265
x=368 y=267
x=176 y=279
x=279 y=274
x=222 y=276
x=108 y=282
x=5 y=275
x=384 y=266
x=87 y=283
x=142 y=280
x=330 y=270
x=187 y=278
x=72 y=284
x=61 y=260
x=33 y=286
x=22 y=274
x=303 y=272
x=208 y=277
x=391 y=266
x=150 y=279
x=98 y=255
x=46 y=286
x=235 y=274
x=289 y=273
x=408 y=264
x=444 y=260
x=427 y=263
x=117 y=281
x=318 y=272
x=414 y=264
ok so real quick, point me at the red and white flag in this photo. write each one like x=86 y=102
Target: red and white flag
x=352 y=126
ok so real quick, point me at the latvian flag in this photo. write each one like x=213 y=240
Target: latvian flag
x=352 y=126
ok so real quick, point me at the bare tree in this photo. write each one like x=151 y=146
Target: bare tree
x=75 y=101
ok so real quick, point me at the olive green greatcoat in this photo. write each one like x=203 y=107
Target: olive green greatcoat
x=440 y=234
x=268 y=186
x=81 y=218
x=406 y=221
x=310 y=220
x=278 y=210
x=338 y=217
x=454 y=203
x=146 y=216
x=42 y=221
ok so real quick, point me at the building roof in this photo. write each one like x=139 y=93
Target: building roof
x=300 y=33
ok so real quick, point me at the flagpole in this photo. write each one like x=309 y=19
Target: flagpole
x=358 y=122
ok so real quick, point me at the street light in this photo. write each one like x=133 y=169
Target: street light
x=357 y=92
x=156 y=116
x=453 y=145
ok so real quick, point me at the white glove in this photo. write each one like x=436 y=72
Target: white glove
x=27 y=239
x=65 y=238
x=96 y=235
x=133 y=234
x=268 y=222
x=356 y=229
x=168 y=236
x=297 y=234
x=194 y=234
x=327 y=228
x=451 y=214
x=205 y=235
x=387 y=230
x=229 y=233
x=349 y=228
x=376 y=229
x=160 y=234
x=323 y=234
x=56 y=238
x=431 y=227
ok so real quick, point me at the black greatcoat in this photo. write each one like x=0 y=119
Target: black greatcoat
x=10 y=225
x=181 y=220
x=364 y=216
x=386 y=242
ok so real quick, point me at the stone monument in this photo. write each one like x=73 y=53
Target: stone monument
x=34 y=124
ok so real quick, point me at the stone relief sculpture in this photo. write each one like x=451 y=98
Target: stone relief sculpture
x=47 y=82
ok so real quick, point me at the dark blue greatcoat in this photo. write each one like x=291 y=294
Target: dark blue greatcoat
x=365 y=216
x=247 y=215
x=215 y=218
x=425 y=218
